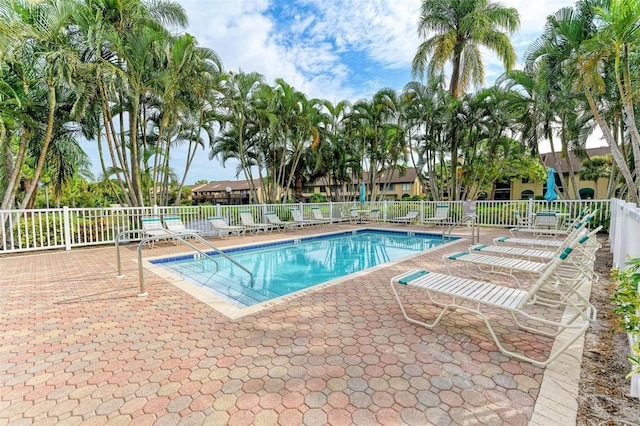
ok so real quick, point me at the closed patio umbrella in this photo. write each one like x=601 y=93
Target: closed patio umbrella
x=362 y=196
x=551 y=195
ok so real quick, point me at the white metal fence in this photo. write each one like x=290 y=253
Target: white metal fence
x=624 y=232
x=40 y=229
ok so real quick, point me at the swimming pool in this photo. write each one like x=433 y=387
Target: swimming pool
x=284 y=267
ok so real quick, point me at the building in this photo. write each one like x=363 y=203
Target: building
x=395 y=186
x=521 y=189
x=225 y=192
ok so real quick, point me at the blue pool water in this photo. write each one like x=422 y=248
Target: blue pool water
x=284 y=267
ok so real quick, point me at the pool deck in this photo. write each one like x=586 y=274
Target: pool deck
x=79 y=346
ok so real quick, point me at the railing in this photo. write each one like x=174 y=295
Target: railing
x=179 y=238
x=41 y=229
x=625 y=245
x=624 y=232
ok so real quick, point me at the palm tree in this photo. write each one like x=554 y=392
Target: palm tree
x=126 y=39
x=426 y=132
x=235 y=139
x=595 y=168
x=460 y=28
x=618 y=36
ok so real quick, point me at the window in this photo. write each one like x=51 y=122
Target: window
x=390 y=187
x=406 y=187
x=526 y=194
x=586 y=194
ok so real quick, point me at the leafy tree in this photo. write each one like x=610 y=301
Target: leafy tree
x=456 y=29
x=595 y=168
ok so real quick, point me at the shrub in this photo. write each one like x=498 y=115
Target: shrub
x=627 y=301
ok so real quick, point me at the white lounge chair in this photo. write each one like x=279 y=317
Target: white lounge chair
x=174 y=224
x=354 y=215
x=410 y=217
x=373 y=216
x=317 y=215
x=529 y=228
x=298 y=218
x=533 y=253
x=247 y=221
x=275 y=220
x=547 y=243
x=514 y=251
x=483 y=298
x=152 y=227
x=222 y=228
x=441 y=215
x=579 y=268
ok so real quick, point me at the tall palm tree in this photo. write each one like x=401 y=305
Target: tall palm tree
x=614 y=44
x=460 y=28
x=427 y=129
x=234 y=139
x=126 y=40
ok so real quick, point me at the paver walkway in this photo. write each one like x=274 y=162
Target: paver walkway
x=78 y=346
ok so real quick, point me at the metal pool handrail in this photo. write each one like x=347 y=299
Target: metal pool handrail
x=175 y=237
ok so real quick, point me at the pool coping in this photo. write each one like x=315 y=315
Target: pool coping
x=232 y=312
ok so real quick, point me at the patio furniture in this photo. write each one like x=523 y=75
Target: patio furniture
x=550 y=242
x=580 y=266
x=246 y=218
x=441 y=215
x=298 y=218
x=513 y=251
x=484 y=298
x=373 y=216
x=275 y=220
x=174 y=224
x=152 y=227
x=317 y=215
x=410 y=217
x=222 y=228
x=550 y=231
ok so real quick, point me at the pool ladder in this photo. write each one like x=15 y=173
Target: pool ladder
x=181 y=238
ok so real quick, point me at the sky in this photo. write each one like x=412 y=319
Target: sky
x=330 y=49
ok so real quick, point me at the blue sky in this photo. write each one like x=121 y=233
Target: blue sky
x=331 y=49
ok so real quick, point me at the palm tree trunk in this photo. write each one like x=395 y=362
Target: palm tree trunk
x=13 y=181
x=615 y=150
x=136 y=188
x=45 y=146
x=110 y=135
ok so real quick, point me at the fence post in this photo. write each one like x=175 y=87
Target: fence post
x=66 y=223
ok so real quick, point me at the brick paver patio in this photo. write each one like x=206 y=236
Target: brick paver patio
x=78 y=346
